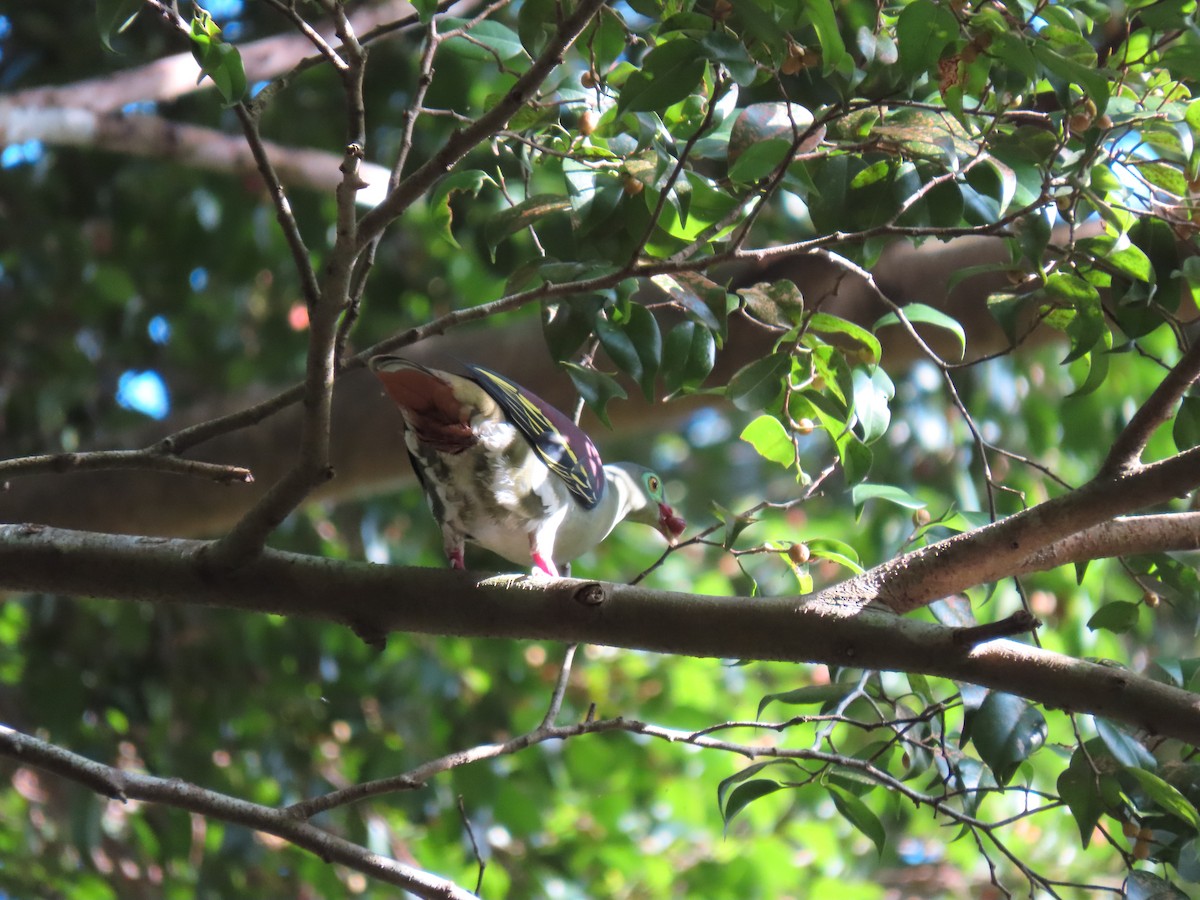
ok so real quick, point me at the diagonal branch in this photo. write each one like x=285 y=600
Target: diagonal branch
x=1131 y=442
x=463 y=141
x=124 y=785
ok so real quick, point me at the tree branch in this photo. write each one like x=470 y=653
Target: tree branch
x=993 y=552
x=1131 y=442
x=124 y=785
x=466 y=139
x=151 y=458
x=378 y=599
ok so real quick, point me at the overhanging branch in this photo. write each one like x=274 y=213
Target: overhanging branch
x=375 y=600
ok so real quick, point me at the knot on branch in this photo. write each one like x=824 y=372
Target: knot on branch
x=590 y=594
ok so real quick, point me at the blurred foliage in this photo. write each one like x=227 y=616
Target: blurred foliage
x=666 y=125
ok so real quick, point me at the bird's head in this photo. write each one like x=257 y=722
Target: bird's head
x=648 y=503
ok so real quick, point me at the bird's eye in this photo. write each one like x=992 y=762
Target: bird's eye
x=652 y=483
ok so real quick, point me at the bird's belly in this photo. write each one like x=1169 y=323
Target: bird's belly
x=493 y=501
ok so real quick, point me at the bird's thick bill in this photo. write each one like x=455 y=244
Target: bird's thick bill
x=670 y=524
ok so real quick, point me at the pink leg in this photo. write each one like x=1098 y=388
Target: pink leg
x=540 y=561
x=454 y=555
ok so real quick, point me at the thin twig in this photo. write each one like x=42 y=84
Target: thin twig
x=150 y=459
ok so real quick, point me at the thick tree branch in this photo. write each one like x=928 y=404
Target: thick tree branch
x=995 y=551
x=1123 y=536
x=124 y=785
x=174 y=76
x=375 y=600
x=189 y=145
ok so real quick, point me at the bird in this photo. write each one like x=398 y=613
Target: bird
x=502 y=468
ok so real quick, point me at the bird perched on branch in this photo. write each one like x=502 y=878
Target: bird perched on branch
x=503 y=468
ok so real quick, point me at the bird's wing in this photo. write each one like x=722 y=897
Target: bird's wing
x=557 y=441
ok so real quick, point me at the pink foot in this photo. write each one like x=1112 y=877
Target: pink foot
x=546 y=565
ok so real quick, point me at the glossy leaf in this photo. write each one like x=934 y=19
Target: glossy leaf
x=811 y=695
x=767 y=435
x=469 y=181
x=1118 y=617
x=847 y=336
x=1167 y=798
x=861 y=493
x=1186 y=428
x=489 y=39
x=858 y=814
x=596 y=389
x=1125 y=749
x=688 y=356
x=1006 y=731
x=670 y=72
x=524 y=215
x=922 y=314
x=758 y=384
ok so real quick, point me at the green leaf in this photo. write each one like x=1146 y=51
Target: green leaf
x=1186 y=429
x=835 y=551
x=1124 y=749
x=702 y=299
x=846 y=336
x=919 y=313
x=861 y=493
x=810 y=695
x=859 y=815
x=1006 y=731
x=1118 y=617
x=688 y=356
x=488 y=39
x=113 y=17
x=469 y=180
x=566 y=324
x=760 y=123
x=642 y=329
x=767 y=435
x=523 y=215
x=669 y=73
x=1078 y=789
x=872 y=393
x=923 y=30
x=825 y=21
x=1092 y=81
x=735 y=523
x=757 y=385
x=745 y=794
x=759 y=160
x=778 y=305
x=596 y=389
x=218 y=60
x=1167 y=797
x=619 y=347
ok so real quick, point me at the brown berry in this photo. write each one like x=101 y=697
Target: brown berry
x=799 y=554
x=587 y=122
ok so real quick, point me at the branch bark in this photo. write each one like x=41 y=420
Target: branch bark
x=124 y=785
x=375 y=600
